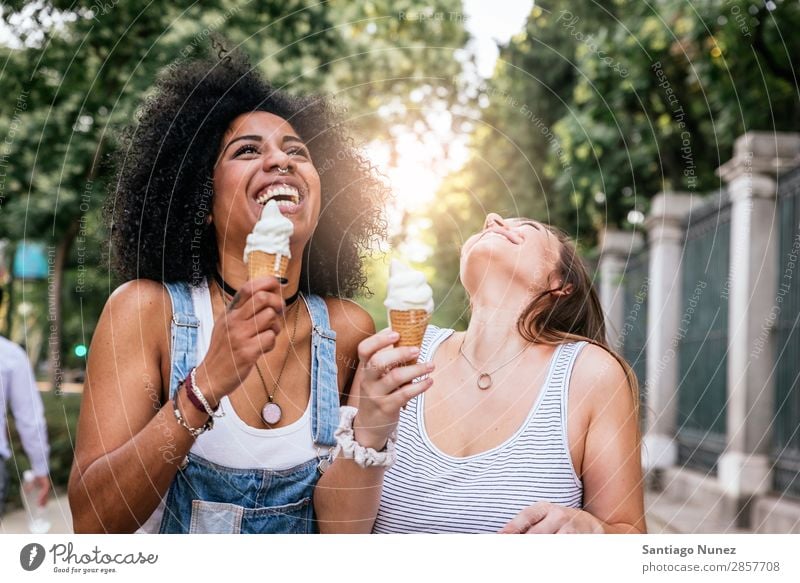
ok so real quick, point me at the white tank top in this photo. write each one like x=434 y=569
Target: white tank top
x=429 y=491
x=234 y=444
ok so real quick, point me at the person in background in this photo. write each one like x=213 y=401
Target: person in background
x=18 y=391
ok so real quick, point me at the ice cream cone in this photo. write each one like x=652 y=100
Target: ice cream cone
x=411 y=325
x=261 y=264
x=267 y=250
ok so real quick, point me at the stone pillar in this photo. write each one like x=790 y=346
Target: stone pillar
x=616 y=247
x=744 y=468
x=665 y=233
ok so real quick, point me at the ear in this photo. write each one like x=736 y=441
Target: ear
x=563 y=290
x=559 y=289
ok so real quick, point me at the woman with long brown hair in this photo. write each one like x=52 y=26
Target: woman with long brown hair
x=524 y=423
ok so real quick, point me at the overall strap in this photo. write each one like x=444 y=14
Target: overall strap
x=184 y=333
x=324 y=374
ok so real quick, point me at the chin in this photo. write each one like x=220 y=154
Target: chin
x=478 y=264
x=489 y=264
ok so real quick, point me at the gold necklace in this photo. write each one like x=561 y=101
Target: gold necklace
x=485 y=378
x=271 y=412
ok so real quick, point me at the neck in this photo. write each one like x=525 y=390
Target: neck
x=492 y=332
x=234 y=271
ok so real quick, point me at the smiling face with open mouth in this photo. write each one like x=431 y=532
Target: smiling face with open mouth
x=516 y=252
x=262 y=158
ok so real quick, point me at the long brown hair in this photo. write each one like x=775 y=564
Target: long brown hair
x=575 y=315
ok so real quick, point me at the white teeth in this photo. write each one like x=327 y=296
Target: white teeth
x=283 y=190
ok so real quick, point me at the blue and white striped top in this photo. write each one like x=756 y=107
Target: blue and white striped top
x=429 y=491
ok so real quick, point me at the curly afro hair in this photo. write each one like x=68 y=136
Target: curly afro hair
x=163 y=190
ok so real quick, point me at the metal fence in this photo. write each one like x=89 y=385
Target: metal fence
x=786 y=452
x=702 y=344
x=633 y=335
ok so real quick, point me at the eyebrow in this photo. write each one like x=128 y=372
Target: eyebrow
x=257 y=138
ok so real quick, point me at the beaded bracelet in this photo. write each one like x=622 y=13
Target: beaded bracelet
x=193 y=431
x=198 y=399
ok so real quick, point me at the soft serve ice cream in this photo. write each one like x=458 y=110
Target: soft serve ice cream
x=267 y=248
x=408 y=289
x=409 y=300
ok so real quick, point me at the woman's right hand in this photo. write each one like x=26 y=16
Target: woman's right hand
x=384 y=386
x=247 y=329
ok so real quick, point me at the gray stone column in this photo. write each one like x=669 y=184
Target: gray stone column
x=616 y=247
x=744 y=468
x=665 y=233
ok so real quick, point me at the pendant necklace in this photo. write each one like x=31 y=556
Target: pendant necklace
x=271 y=413
x=485 y=378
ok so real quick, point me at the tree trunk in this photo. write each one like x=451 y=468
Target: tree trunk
x=55 y=285
x=10 y=250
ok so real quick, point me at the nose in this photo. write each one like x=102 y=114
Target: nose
x=493 y=219
x=275 y=159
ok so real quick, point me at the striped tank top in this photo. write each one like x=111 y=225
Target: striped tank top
x=429 y=491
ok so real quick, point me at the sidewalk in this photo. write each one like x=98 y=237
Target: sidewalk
x=58 y=511
x=16 y=522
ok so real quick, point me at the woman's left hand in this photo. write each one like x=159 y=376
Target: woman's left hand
x=548 y=518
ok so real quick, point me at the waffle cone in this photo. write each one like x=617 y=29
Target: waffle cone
x=261 y=264
x=411 y=325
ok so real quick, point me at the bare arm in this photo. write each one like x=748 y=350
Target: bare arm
x=613 y=500
x=612 y=472
x=123 y=432
x=347 y=496
x=129 y=445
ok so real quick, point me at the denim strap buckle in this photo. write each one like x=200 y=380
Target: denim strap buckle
x=329 y=334
x=185 y=320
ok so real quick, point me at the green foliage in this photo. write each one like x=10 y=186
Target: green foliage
x=61 y=413
x=699 y=75
x=596 y=107
x=71 y=88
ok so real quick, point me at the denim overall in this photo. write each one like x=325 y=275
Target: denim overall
x=205 y=497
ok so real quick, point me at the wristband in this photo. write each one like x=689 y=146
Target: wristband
x=198 y=399
x=349 y=448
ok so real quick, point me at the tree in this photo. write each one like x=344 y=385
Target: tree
x=81 y=68
x=699 y=75
x=596 y=107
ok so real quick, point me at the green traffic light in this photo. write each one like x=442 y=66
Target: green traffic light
x=81 y=350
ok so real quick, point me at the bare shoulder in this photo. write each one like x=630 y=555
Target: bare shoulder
x=598 y=379
x=137 y=313
x=351 y=322
x=138 y=293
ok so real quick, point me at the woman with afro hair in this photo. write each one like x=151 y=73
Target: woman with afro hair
x=189 y=356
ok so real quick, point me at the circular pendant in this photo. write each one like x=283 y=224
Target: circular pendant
x=271 y=413
x=484 y=381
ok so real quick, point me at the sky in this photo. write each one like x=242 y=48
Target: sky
x=419 y=173
x=489 y=21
